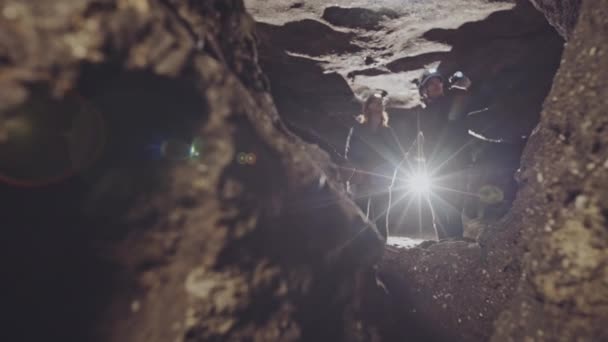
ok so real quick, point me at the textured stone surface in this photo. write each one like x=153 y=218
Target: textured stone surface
x=203 y=249
x=563 y=295
x=561 y=14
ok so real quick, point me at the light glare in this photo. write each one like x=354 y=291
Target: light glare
x=420 y=183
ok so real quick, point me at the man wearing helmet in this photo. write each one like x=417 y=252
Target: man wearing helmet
x=443 y=122
x=432 y=85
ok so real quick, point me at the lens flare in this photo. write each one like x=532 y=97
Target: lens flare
x=241 y=158
x=194 y=152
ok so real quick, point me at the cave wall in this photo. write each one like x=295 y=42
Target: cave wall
x=208 y=248
x=561 y=14
x=563 y=292
x=316 y=105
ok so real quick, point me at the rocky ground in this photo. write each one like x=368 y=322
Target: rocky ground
x=248 y=234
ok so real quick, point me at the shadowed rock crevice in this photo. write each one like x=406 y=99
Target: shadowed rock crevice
x=561 y=14
x=358 y=17
x=309 y=37
x=416 y=62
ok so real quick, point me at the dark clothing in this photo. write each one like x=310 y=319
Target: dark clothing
x=374 y=154
x=447 y=148
x=368 y=149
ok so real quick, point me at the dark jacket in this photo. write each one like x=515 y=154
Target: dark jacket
x=372 y=151
x=444 y=123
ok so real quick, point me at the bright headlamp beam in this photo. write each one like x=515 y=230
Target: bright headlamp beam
x=420 y=183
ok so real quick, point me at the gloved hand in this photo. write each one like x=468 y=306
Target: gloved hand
x=460 y=81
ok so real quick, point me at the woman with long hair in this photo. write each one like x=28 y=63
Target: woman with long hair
x=373 y=151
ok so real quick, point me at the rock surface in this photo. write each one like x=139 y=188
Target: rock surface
x=561 y=14
x=563 y=295
x=399 y=35
x=138 y=248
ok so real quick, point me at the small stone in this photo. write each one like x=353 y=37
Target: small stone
x=11 y=12
x=202 y=168
x=322 y=181
x=580 y=202
x=200 y=44
x=539 y=177
x=592 y=51
x=135 y=306
x=79 y=51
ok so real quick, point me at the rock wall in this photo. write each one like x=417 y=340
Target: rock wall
x=216 y=246
x=563 y=294
x=561 y=14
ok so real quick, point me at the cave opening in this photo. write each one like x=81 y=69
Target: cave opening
x=322 y=69
x=511 y=55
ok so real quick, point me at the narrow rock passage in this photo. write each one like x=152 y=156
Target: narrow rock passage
x=450 y=290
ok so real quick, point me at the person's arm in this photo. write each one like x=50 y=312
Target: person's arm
x=349 y=167
x=353 y=153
